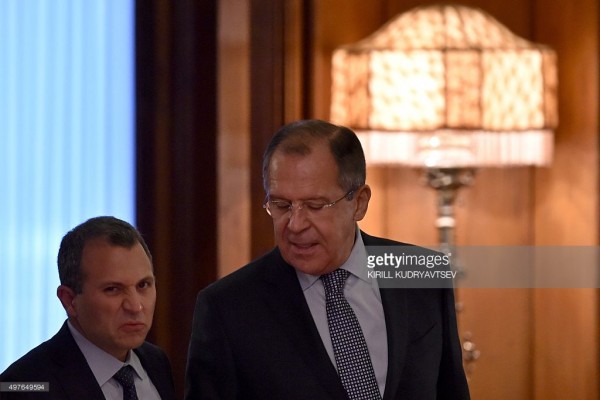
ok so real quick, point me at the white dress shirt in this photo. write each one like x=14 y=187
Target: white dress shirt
x=364 y=297
x=104 y=366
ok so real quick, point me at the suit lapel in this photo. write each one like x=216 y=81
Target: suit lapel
x=394 y=308
x=285 y=299
x=157 y=371
x=72 y=368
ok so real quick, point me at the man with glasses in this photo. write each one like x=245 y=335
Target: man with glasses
x=306 y=321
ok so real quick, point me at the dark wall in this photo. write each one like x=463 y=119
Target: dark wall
x=176 y=120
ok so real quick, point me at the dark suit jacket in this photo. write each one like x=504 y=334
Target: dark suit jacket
x=253 y=337
x=60 y=362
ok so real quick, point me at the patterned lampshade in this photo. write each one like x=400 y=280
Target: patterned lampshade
x=447 y=86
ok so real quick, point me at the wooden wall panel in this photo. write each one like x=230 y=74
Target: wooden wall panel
x=566 y=352
x=267 y=106
x=234 y=135
x=402 y=206
x=496 y=211
x=176 y=166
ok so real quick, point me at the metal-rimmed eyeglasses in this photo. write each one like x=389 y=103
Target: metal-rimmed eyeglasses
x=279 y=208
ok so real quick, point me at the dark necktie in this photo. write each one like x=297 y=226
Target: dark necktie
x=125 y=377
x=349 y=345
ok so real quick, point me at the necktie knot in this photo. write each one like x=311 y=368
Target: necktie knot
x=334 y=281
x=125 y=378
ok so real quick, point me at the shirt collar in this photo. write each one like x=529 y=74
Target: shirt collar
x=355 y=264
x=102 y=364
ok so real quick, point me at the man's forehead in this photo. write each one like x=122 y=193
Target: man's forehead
x=302 y=145
x=319 y=150
x=101 y=252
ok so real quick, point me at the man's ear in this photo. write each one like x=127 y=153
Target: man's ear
x=363 y=195
x=66 y=295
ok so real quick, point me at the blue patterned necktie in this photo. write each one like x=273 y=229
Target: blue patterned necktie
x=125 y=378
x=349 y=345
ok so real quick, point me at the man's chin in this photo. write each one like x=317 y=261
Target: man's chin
x=307 y=259
x=310 y=267
x=132 y=340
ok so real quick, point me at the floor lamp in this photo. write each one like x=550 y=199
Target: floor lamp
x=448 y=89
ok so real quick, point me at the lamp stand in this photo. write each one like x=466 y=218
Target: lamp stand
x=447 y=182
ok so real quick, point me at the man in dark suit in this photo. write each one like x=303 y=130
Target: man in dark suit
x=108 y=291
x=278 y=328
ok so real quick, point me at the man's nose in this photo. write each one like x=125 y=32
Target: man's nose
x=298 y=218
x=133 y=302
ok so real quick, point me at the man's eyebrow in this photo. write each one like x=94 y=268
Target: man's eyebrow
x=312 y=198
x=111 y=283
x=151 y=278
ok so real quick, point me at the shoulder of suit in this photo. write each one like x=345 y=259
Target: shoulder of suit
x=149 y=352
x=21 y=369
x=249 y=272
x=37 y=361
x=370 y=240
x=374 y=241
x=149 y=348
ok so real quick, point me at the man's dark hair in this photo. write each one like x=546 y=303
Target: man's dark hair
x=299 y=138
x=115 y=231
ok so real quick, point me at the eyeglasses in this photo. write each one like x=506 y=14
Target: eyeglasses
x=279 y=208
